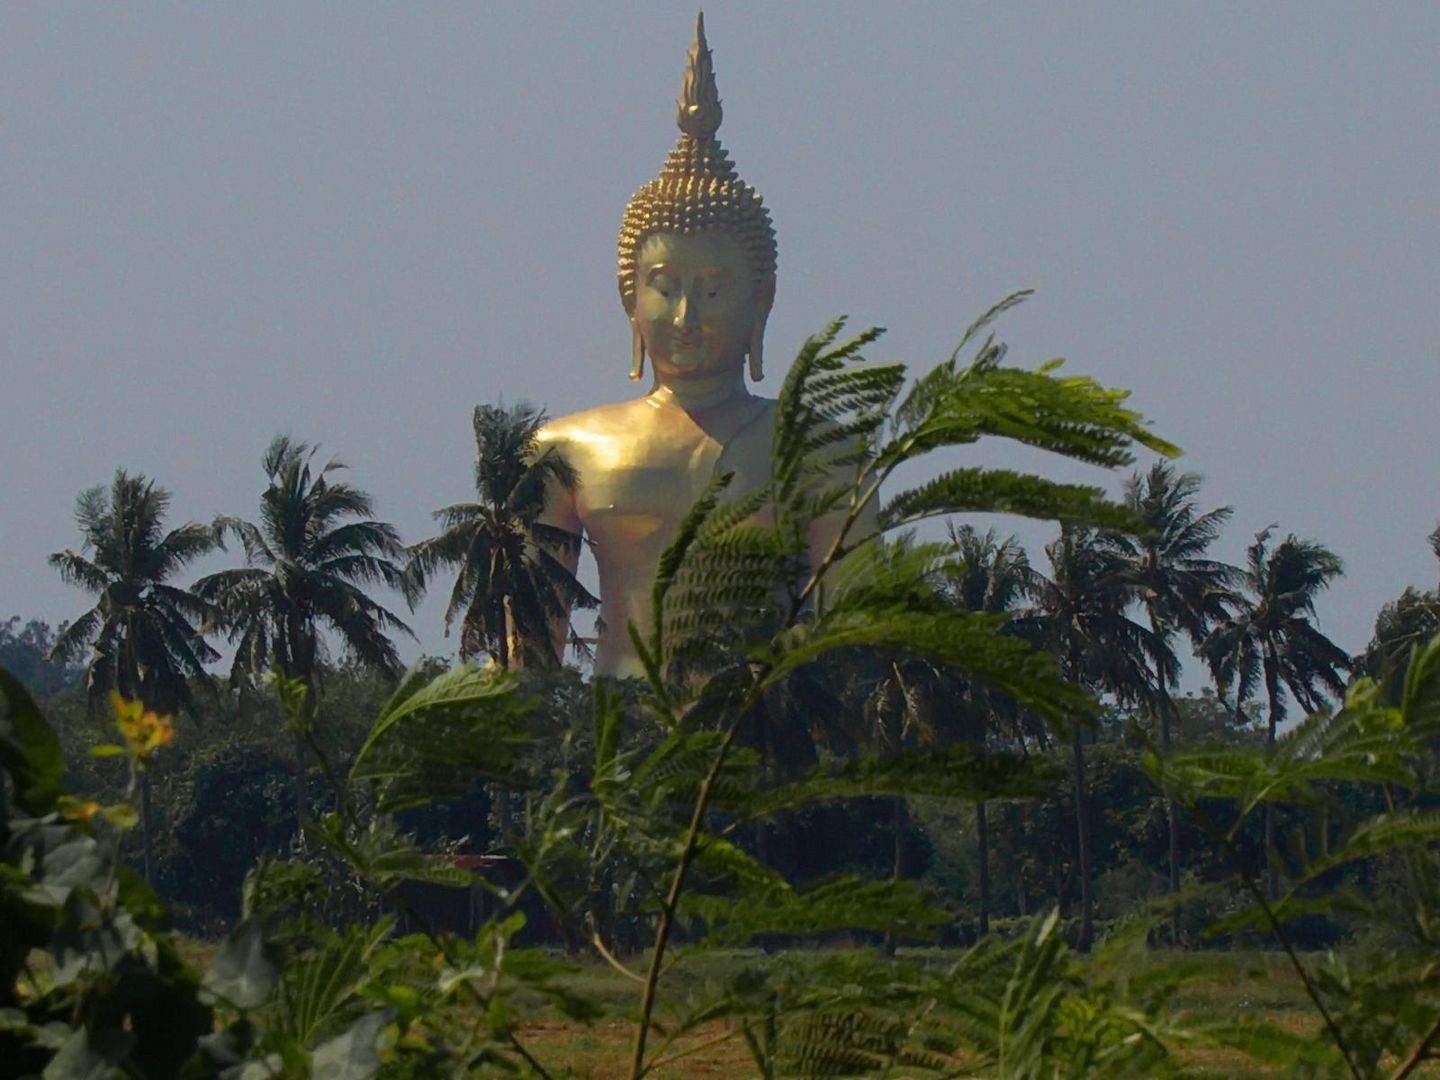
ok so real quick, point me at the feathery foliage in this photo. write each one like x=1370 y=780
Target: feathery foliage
x=1380 y=1016
x=634 y=821
x=741 y=603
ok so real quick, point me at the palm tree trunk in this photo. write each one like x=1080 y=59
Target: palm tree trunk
x=982 y=835
x=297 y=788
x=310 y=710
x=502 y=657
x=1172 y=821
x=504 y=819
x=129 y=684
x=301 y=651
x=1082 y=833
x=1272 y=880
x=499 y=794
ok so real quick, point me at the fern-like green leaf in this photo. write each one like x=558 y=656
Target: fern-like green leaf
x=977 y=491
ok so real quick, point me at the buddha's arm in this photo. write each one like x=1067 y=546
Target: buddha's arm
x=561 y=512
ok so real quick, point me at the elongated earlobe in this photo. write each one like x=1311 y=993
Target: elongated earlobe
x=637 y=354
x=757 y=351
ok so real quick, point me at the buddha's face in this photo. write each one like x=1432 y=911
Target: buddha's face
x=696 y=303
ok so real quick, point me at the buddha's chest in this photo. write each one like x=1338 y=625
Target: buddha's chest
x=636 y=486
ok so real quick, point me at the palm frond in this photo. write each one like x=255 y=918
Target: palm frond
x=77 y=570
x=252 y=540
x=328 y=503
x=180 y=548
x=356 y=538
x=72 y=641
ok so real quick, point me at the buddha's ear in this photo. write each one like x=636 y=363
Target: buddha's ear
x=765 y=297
x=637 y=352
x=764 y=300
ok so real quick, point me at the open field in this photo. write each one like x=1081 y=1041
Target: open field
x=1231 y=984
x=1260 y=983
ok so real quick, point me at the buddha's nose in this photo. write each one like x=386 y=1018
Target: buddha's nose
x=687 y=313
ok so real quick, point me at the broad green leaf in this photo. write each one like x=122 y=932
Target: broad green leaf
x=29 y=751
x=245 y=968
x=122 y=815
x=321 y=983
x=352 y=1055
x=90 y=1054
x=89 y=943
x=475 y=695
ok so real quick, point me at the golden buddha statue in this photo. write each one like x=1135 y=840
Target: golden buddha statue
x=697 y=279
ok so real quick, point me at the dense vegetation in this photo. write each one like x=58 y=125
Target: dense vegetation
x=904 y=741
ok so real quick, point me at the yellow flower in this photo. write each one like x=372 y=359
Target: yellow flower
x=143 y=730
x=73 y=809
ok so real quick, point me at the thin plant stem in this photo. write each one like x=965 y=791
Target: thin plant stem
x=1419 y=1054
x=714 y=1040
x=868 y=482
x=611 y=959
x=677 y=886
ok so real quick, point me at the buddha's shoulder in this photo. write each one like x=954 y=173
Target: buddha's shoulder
x=602 y=421
x=627 y=419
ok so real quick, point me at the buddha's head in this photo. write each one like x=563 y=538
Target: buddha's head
x=697 y=251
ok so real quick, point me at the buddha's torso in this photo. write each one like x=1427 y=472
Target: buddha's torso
x=642 y=464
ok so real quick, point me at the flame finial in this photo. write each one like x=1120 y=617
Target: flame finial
x=698 y=111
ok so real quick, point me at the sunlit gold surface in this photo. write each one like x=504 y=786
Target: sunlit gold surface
x=697 y=277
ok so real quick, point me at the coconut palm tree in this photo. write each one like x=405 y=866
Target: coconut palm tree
x=1405 y=623
x=1181 y=590
x=906 y=707
x=514 y=585
x=1271 y=637
x=144 y=637
x=913 y=701
x=1079 y=613
x=307 y=565
x=992 y=577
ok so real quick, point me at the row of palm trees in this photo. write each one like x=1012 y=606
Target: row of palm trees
x=311 y=561
x=1112 y=606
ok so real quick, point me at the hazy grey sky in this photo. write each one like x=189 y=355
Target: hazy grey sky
x=353 y=222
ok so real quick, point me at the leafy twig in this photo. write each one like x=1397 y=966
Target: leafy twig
x=1419 y=1054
